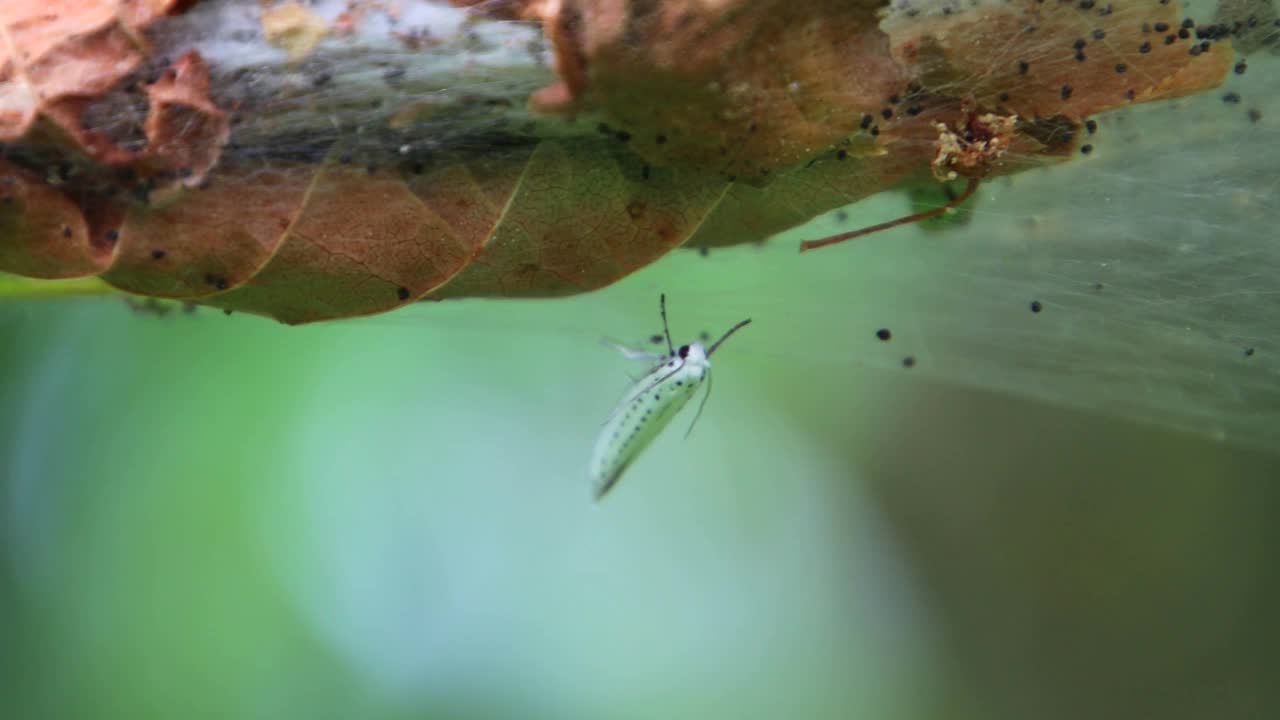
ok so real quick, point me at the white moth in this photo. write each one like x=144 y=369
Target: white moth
x=651 y=403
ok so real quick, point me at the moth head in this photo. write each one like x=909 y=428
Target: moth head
x=693 y=353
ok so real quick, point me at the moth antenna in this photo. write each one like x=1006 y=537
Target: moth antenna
x=705 y=396
x=724 y=337
x=666 y=332
x=917 y=217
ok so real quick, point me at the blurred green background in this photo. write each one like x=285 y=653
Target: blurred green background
x=217 y=516
x=1063 y=514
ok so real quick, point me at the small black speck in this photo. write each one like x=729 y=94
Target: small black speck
x=1099 y=34
x=1036 y=306
x=1086 y=149
x=1079 y=44
x=1255 y=115
x=1168 y=39
x=909 y=361
x=1145 y=47
x=1023 y=67
x=1080 y=56
x=841 y=154
x=1231 y=98
x=1120 y=68
x=1241 y=67
x=1066 y=91
x=1184 y=33
x=656 y=339
x=704 y=251
x=112 y=235
x=874 y=131
x=1130 y=94
x=1161 y=27
x=1248 y=352
x=222 y=284
x=226 y=311
x=402 y=293
x=884 y=334
x=1004 y=97
x=1188 y=23
x=157 y=254
x=1091 y=126
x=886 y=113
x=895 y=99
x=866 y=122
x=66 y=231
x=914 y=110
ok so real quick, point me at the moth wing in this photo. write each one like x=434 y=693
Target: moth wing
x=632 y=354
x=606 y=483
x=655 y=378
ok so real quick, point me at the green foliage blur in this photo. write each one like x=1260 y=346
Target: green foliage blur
x=212 y=516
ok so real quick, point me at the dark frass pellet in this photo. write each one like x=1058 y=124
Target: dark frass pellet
x=1036 y=306
x=884 y=334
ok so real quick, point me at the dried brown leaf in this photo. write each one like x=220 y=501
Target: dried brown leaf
x=725 y=122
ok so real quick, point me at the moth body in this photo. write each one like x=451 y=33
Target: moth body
x=648 y=408
x=650 y=405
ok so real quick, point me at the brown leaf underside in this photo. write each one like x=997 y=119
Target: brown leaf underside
x=734 y=127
